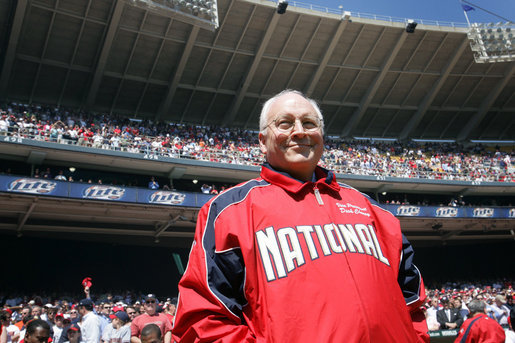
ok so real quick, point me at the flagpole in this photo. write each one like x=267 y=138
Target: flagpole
x=466 y=17
x=465 y=12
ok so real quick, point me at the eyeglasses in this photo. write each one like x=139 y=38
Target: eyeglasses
x=73 y=312
x=131 y=313
x=107 y=307
x=150 y=302
x=286 y=124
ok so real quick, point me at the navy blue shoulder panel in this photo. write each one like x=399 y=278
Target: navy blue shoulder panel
x=409 y=278
x=226 y=269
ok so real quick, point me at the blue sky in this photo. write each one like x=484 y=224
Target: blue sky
x=441 y=10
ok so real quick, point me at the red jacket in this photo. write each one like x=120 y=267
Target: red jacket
x=483 y=330
x=277 y=260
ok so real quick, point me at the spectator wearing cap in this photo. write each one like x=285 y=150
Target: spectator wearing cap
x=48 y=315
x=107 y=331
x=151 y=316
x=58 y=327
x=448 y=317
x=73 y=334
x=91 y=326
x=499 y=310
x=45 y=309
x=480 y=328
x=119 y=330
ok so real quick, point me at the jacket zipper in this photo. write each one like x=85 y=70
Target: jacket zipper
x=318 y=196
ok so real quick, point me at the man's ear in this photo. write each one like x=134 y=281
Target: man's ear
x=262 y=145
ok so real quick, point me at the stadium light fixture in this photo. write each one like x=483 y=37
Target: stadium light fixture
x=72 y=169
x=346 y=15
x=492 y=42
x=410 y=26
x=196 y=12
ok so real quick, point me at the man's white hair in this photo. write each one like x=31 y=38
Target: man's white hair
x=263 y=117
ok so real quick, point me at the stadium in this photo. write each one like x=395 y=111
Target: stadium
x=180 y=72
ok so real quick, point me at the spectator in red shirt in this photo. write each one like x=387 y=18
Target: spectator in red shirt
x=480 y=328
x=151 y=316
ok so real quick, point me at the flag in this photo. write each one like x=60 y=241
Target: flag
x=467 y=8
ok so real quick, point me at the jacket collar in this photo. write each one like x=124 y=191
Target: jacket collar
x=322 y=178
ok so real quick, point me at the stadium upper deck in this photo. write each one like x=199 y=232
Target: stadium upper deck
x=372 y=78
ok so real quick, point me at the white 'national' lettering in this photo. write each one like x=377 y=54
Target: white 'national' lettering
x=283 y=250
x=366 y=240
x=293 y=252
x=267 y=243
x=329 y=229
x=351 y=238
x=322 y=240
x=376 y=242
x=306 y=230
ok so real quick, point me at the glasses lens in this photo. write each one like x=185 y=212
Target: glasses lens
x=287 y=124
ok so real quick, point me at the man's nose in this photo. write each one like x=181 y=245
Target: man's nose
x=298 y=128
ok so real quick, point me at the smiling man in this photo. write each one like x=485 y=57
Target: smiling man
x=151 y=316
x=294 y=256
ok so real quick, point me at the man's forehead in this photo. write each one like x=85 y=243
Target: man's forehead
x=291 y=101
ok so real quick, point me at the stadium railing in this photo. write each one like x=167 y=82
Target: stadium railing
x=251 y=155
x=340 y=11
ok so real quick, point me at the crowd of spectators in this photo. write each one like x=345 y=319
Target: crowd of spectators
x=448 y=307
x=108 y=318
x=120 y=317
x=448 y=161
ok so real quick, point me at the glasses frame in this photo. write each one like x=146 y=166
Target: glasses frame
x=316 y=119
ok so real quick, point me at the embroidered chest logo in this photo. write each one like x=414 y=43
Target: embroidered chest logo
x=281 y=250
x=352 y=209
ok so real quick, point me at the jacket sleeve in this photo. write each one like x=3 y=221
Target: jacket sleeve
x=412 y=286
x=211 y=301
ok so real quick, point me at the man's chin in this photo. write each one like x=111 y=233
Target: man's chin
x=300 y=161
